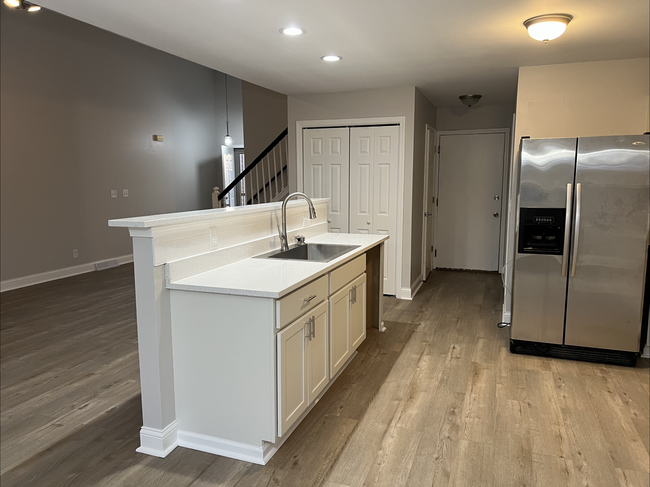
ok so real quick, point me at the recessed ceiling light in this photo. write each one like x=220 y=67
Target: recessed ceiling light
x=12 y=3
x=292 y=31
x=330 y=58
x=547 y=27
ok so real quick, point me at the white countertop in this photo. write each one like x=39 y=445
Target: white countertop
x=274 y=278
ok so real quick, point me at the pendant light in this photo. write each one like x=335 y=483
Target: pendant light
x=547 y=27
x=227 y=140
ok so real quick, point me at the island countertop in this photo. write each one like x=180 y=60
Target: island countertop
x=274 y=278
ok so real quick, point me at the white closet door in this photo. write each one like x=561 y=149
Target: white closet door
x=374 y=160
x=327 y=172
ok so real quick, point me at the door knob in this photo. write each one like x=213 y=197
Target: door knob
x=497 y=197
x=368 y=223
x=495 y=214
x=329 y=221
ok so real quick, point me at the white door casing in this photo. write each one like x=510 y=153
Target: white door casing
x=374 y=161
x=429 y=214
x=327 y=172
x=470 y=188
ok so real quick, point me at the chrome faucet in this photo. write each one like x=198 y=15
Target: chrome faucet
x=284 y=244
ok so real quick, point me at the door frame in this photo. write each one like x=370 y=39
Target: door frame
x=504 y=184
x=400 y=292
x=428 y=128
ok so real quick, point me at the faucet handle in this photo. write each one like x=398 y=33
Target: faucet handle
x=300 y=239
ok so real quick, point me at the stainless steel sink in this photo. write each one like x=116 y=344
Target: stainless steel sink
x=313 y=252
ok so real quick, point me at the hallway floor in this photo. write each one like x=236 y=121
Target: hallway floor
x=437 y=400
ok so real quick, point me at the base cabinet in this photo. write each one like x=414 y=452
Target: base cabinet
x=302 y=365
x=358 y=311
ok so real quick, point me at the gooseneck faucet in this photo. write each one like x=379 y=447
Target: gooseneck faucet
x=312 y=214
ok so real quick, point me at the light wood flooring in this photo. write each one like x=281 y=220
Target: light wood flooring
x=437 y=400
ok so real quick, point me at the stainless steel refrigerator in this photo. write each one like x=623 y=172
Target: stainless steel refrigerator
x=582 y=248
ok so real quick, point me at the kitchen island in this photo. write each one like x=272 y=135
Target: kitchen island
x=234 y=349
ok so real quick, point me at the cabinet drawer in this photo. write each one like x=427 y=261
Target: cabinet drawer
x=340 y=276
x=300 y=301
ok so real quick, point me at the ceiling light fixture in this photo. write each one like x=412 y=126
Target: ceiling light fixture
x=23 y=5
x=547 y=27
x=469 y=100
x=227 y=140
x=330 y=58
x=292 y=31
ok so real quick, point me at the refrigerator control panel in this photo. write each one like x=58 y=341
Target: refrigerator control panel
x=541 y=230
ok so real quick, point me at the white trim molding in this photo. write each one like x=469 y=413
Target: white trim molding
x=646 y=351
x=506 y=316
x=409 y=293
x=33 y=279
x=158 y=443
x=401 y=174
x=227 y=448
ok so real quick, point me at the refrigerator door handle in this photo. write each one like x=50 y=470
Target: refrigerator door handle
x=567 y=229
x=576 y=231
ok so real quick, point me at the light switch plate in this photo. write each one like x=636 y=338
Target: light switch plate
x=125 y=193
x=113 y=193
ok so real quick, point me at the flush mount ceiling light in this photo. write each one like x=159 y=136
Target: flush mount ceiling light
x=331 y=58
x=469 y=100
x=292 y=31
x=22 y=5
x=547 y=27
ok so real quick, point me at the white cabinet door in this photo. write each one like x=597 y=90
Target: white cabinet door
x=326 y=155
x=357 y=311
x=374 y=160
x=293 y=397
x=340 y=349
x=318 y=351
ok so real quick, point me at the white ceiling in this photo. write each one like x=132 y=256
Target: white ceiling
x=444 y=47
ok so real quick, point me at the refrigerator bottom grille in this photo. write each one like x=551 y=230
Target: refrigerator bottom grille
x=614 y=357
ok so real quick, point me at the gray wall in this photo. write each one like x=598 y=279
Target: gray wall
x=265 y=117
x=477 y=117
x=425 y=113
x=79 y=107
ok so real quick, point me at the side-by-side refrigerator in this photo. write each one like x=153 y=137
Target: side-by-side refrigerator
x=582 y=248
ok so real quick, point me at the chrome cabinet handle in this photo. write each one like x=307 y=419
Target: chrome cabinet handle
x=309 y=298
x=576 y=230
x=313 y=326
x=308 y=335
x=567 y=228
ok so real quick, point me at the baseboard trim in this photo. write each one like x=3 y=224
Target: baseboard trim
x=506 y=316
x=226 y=448
x=409 y=293
x=33 y=279
x=646 y=352
x=158 y=443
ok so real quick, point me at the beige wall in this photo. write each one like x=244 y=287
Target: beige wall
x=79 y=107
x=265 y=117
x=425 y=113
x=477 y=117
x=389 y=102
x=577 y=100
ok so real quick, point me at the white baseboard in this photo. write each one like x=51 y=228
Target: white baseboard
x=226 y=448
x=25 y=281
x=506 y=316
x=409 y=293
x=158 y=443
x=646 y=351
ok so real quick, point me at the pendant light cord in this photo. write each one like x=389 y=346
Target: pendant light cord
x=227 y=121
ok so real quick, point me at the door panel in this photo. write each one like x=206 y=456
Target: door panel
x=361 y=179
x=319 y=352
x=429 y=204
x=339 y=330
x=358 y=312
x=471 y=176
x=605 y=297
x=292 y=377
x=327 y=172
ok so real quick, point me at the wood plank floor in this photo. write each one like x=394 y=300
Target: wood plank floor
x=437 y=400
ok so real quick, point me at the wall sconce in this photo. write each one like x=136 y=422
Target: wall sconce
x=547 y=27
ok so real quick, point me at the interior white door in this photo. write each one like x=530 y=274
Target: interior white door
x=469 y=200
x=374 y=159
x=429 y=204
x=326 y=155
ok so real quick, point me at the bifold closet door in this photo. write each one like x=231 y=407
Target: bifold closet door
x=374 y=160
x=327 y=172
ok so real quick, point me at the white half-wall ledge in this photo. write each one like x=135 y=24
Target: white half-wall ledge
x=33 y=279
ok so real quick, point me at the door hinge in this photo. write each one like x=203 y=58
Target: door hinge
x=438 y=149
x=435 y=253
x=432 y=248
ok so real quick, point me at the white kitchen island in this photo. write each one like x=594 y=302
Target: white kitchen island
x=235 y=350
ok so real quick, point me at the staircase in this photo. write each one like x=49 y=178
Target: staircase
x=266 y=179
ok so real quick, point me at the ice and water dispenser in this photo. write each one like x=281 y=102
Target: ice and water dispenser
x=541 y=231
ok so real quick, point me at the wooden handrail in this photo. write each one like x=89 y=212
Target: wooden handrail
x=257 y=160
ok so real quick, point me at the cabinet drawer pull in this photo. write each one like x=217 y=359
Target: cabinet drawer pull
x=353 y=295
x=309 y=298
x=308 y=335
x=313 y=326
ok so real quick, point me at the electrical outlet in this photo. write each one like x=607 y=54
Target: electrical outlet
x=125 y=193
x=113 y=193
x=75 y=253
